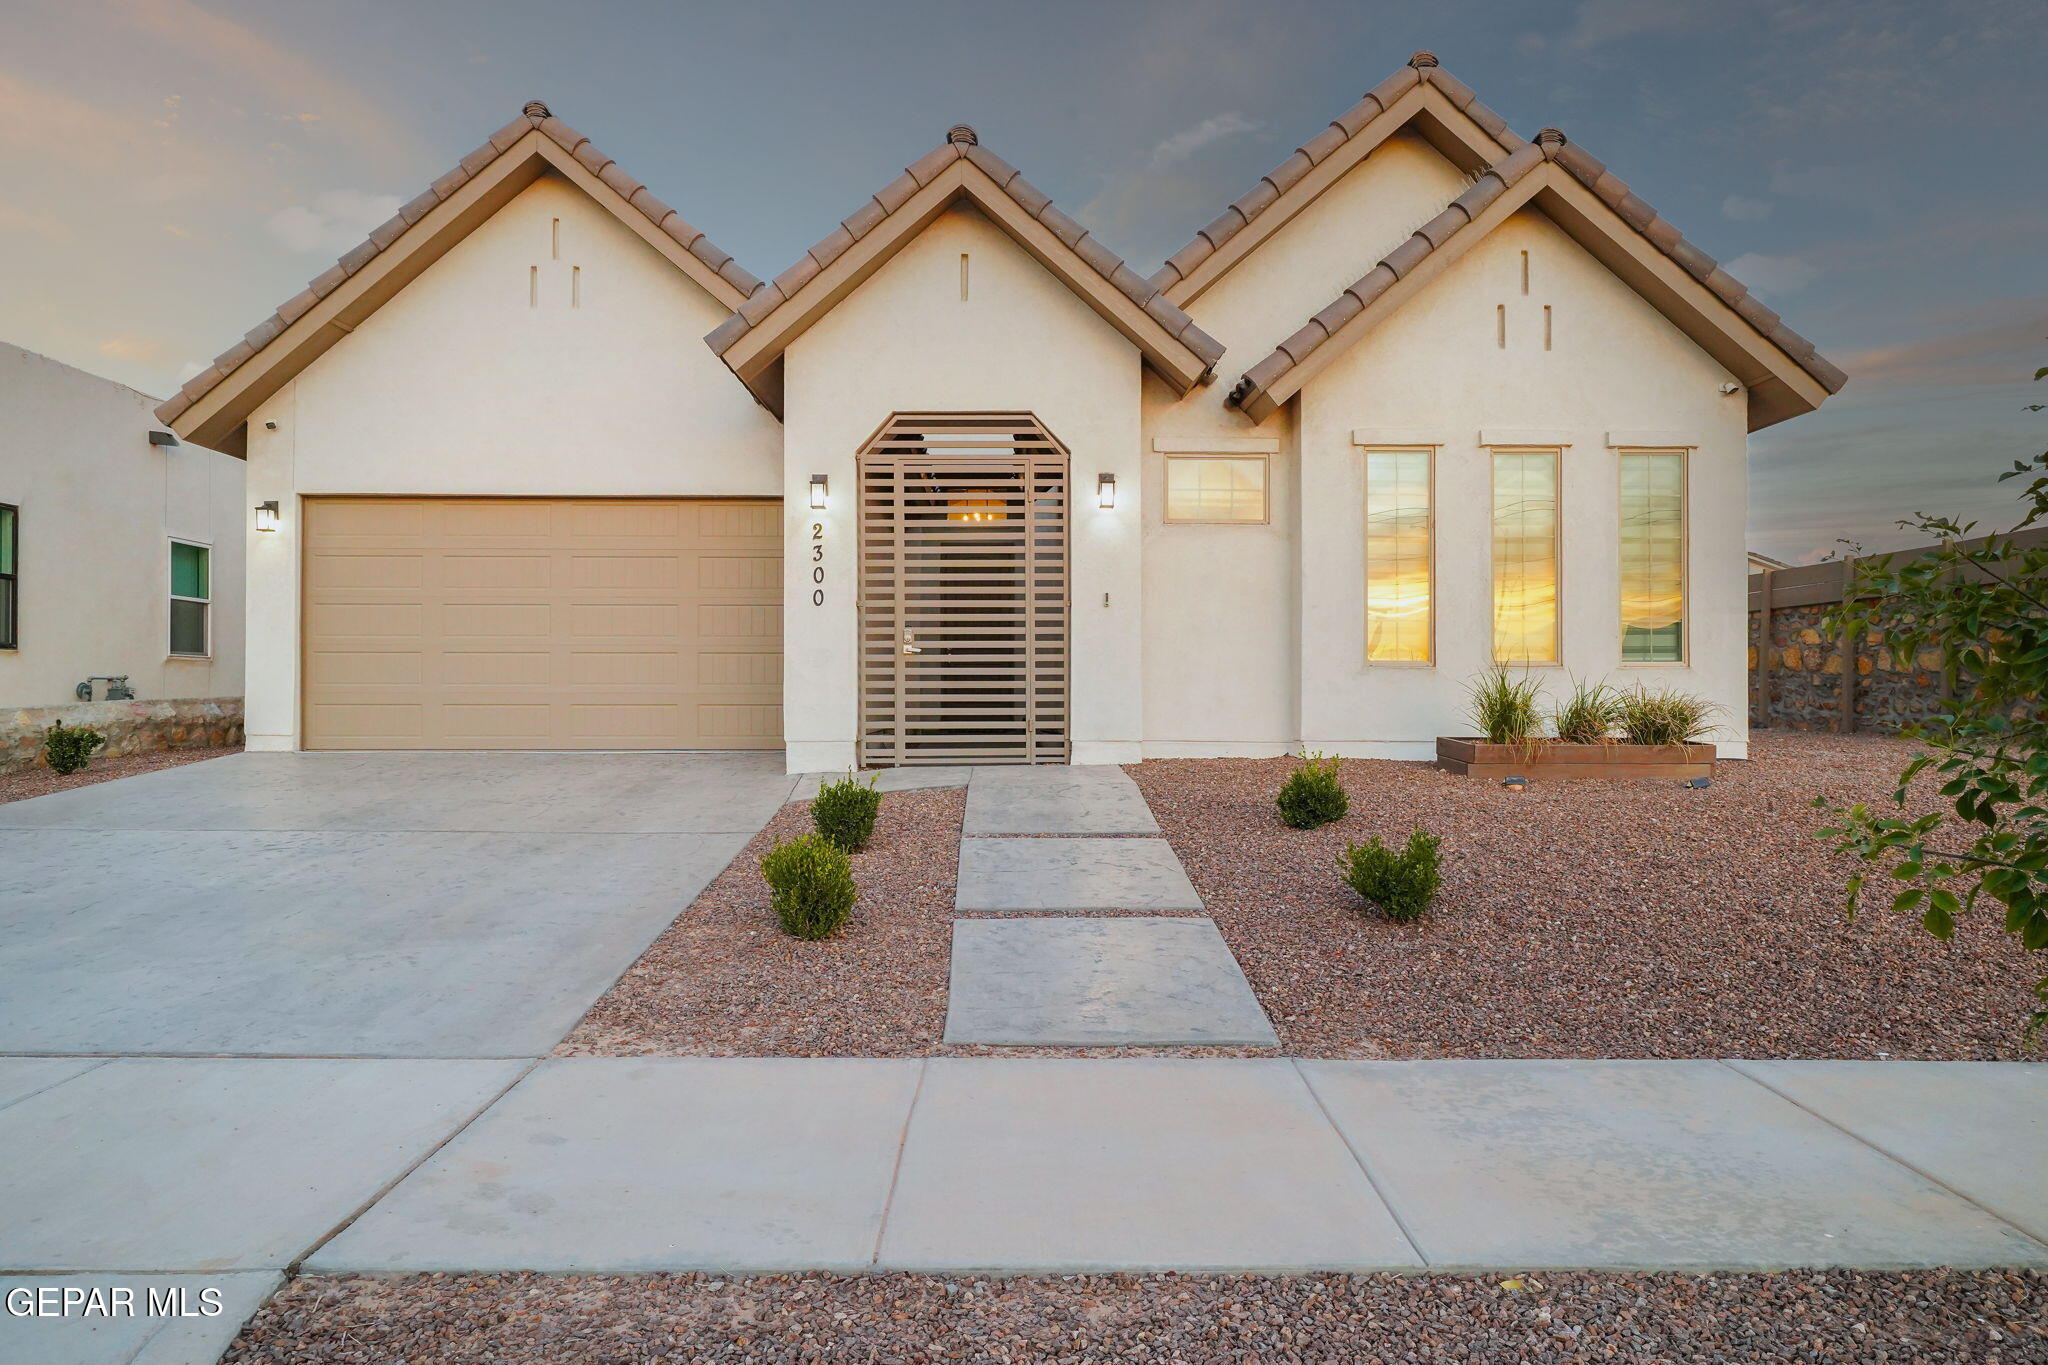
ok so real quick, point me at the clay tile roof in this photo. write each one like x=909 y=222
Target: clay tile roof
x=962 y=144
x=1550 y=145
x=1422 y=68
x=534 y=117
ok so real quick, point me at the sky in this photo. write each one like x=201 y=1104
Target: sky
x=171 y=170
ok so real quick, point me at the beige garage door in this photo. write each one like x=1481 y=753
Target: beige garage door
x=538 y=623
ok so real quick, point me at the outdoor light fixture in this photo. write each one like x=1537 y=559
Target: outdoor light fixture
x=162 y=438
x=1699 y=784
x=1105 y=491
x=819 y=488
x=1515 y=784
x=266 y=516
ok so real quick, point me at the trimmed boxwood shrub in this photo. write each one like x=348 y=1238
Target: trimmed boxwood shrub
x=844 y=812
x=1313 y=796
x=812 y=886
x=68 y=748
x=1402 y=884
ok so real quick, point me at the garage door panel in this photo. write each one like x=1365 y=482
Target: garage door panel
x=499 y=623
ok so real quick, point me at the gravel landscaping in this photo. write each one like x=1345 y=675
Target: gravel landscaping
x=40 y=781
x=724 y=980
x=1988 y=1318
x=1591 y=918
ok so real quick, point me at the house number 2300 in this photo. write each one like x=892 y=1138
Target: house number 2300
x=818 y=563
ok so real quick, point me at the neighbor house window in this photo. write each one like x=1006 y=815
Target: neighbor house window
x=1399 y=606
x=1216 y=488
x=10 y=592
x=1652 y=556
x=191 y=596
x=1525 y=556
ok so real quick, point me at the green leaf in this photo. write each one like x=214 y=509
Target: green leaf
x=1939 y=922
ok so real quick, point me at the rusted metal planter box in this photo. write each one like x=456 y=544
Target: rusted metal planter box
x=1548 y=758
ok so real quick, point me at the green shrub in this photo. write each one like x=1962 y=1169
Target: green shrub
x=68 y=748
x=1313 y=796
x=1666 y=717
x=1589 y=715
x=1504 y=709
x=812 y=884
x=844 y=812
x=1402 y=884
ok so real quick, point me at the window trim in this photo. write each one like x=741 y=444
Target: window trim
x=1557 y=523
x=1265 y=460
x=1684 y=659
x=170 y=580
x=11 y=639
x=1429 y=451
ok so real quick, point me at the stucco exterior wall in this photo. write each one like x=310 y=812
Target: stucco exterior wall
x=99 y=507
x=1436 y=372
x=906 y=341
x=550 y=353
x=1208 y=584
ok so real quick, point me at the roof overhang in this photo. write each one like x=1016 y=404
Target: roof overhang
x=1424 y=107
x=215 y=414
x=1778 y=386
x=756 y=356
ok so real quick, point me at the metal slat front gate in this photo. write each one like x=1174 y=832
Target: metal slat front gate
x=963 y=596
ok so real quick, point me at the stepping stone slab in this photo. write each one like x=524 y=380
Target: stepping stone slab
x=1980 y=1128
x=1099 y=983
x=1072 y=874
x=1054 y=1166
x=886 y=780
x=213 y=1164
x=153 y=1334
x=601 y=1164
x=1626 y=1165
x=1051 y=799
x=21 y=1077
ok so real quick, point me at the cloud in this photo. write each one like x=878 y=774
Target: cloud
x=1164 y=188
x=14 y=218
x=1768 y=275
x=1188 y=141
x=335 y=221
x=1745 y=210
x=1996 y=344
x=1608 y=21
x=133 y=346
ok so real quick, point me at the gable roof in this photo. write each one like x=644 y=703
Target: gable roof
x=219 y=398
x=1421 y=94
x=752 y=341
x=1783 y=373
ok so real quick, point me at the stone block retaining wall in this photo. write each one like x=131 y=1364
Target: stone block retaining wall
x=131 y=727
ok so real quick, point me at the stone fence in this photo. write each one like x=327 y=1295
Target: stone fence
x=131 y=727
x=1803 y=677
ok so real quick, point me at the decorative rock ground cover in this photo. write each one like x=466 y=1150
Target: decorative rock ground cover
x=1989 y=1318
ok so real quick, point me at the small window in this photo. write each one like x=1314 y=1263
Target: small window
x=10 y=591
x=1398 y=556
x=1525 y=555
x=1652 y=556
x=1216 y=488
x=191 y=596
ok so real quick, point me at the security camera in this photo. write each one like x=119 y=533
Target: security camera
x=1730 y=389
x=272 y=426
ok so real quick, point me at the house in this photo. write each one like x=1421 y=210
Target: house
x=961 y=485
x=120 y=568
x=1759 y=563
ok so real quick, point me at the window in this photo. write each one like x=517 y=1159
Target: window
x=1652 y=556
x=191 y=592
x=10 y=592
x=1216 y=488
x=1525 y=556
x=1399 y=611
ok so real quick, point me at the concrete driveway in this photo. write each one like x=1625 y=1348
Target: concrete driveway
x=380 y=905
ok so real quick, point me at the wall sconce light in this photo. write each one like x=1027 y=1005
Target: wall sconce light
x=1105 y=491
x=266 y=516
x=819 y=488
x=162 y=438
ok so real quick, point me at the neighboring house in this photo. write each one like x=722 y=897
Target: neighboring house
x=1758 y=563
x=120 y=567
x=1428 y=396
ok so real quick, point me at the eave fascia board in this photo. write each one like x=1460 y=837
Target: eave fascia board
x=1442 y=124
x=754 y=356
